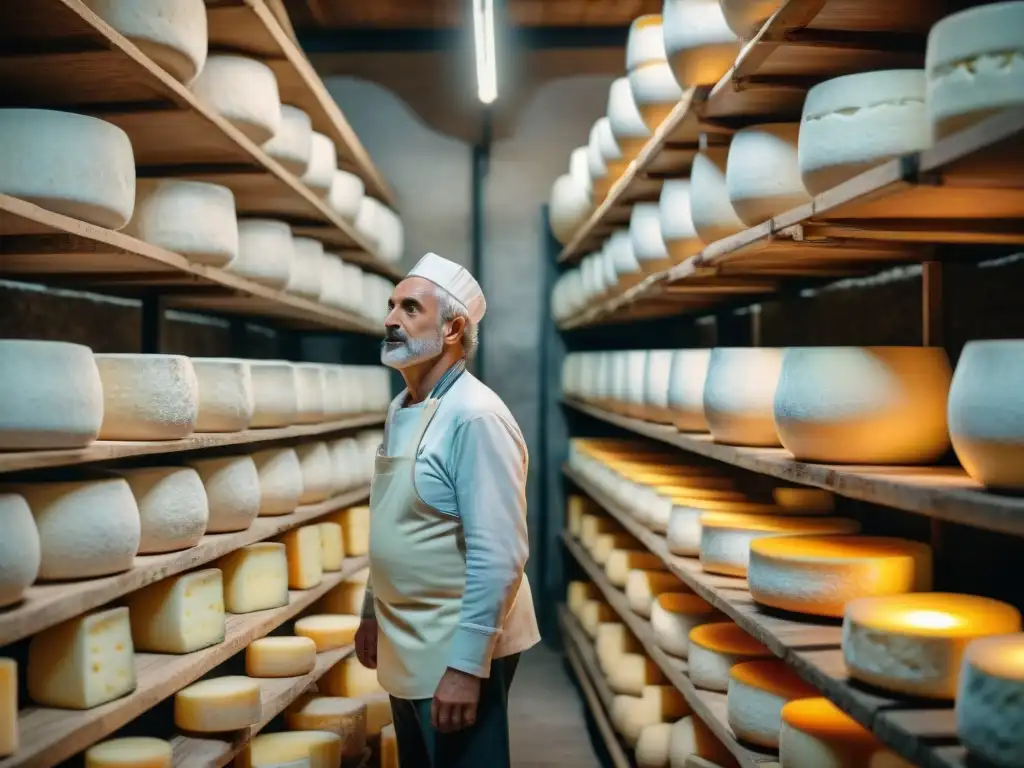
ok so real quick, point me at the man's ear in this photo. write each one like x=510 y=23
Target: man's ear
x=456 y=330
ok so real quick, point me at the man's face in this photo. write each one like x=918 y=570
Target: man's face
x=412 y=331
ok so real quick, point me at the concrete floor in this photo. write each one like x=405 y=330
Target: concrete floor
x=546 y=715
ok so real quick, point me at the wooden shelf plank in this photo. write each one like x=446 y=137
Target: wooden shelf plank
x=49 y=736
x=109 y=450
x=709 y=706
x=45 y=605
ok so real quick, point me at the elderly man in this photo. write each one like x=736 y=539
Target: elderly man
x=448 y=608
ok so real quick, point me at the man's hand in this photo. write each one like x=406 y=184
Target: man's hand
x=366 y=643
x=455 y=701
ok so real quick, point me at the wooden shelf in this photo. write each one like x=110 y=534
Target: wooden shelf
x=943 y=493
x=49 y=736
x=45 y=605
x=109 y=450
x=922 y=733
x=709 y=706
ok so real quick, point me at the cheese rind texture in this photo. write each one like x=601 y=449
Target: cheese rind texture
x=244 y=92
x=303 y=549
x=745 y=17
x=9 y=733
x=255 y=578
x=130 y=752
x=218 y=704
x=328 y=631
x=181 y=614
x=652 y=748
x=686 y=389
x=715 y=649
x=308 y=268
x=315 y=461
x=762 y=173
x=739 y=394
x=265 y=253
x=232 y=487
x=347 y=597
x=309 y=389
x=674 y=615
x=988 y=716
x=347 y=191
x=172 y=506
x=148 y=397
x=817 y=734
x=334 y=714
x=291 y=145
x=351 y=679
x=280 y=656
x=699 y=43
x=323 y=162
x=332 y=547
x=758 y=690
x=20 y=552
x=275 y=392
x=280 y=480
x=226 y=396
x=315 y=749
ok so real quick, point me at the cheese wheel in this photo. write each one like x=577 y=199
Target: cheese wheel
x=218 y=704
x=388 y=747
x=315 y=462
x=20 y=552
x=347 y=190
x=725 y=538
x=378 y=712
x=315 y=749
x=82 y=663
x=757 y=692
x=307 y=274
x=275 y=393
x=280 y=656
x=173 y=33
x=606 y=543
x=367 y=220
x=684 y=530
x=226 y=396
x=576 y=506
x=265 y=252
x=244 y=92
x=323 y=162
x=391 y=236
x=303 y=549
x=853 y=123
x=656 y=384
x=130 y=752
x=181 y=614
x=864 y=405
x=715 y=648
x=973 y=65
x=280 y=480
x=255 y=577
x=815 y=733
x=621 y=562
x=692 y=743
x=645 y=237
x=345 y=460
x=674 y=214
x=745 y=17
x=625 y=120
x=292 y=144
x=674 y=615
x=332 y=547
x=655 y=92
x=70 y=164
x=147 y=397
x=595 y=525
x=172 y=507
x=689 y=369
x=632 y=673
x=763 y=172
x=351 y=679
x=192 y=218
x=344 y=717
x=711 y=209
x=989 y=722
x=699 y=43
x=643 y=587
x=579 y=592
x=9 y=740
x=232 y=487
x=347 y=597
x=309 y=388
x=819 y=575
x=913 y=644
x=739 y=394
x=328 y=631
x=594 y=613
x=86 y=528
x=612 y=641
x=654 y=704
x=652 y=746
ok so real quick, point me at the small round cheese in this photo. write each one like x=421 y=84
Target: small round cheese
x=226 y=399
x=715 y=649
x=265 y=252
x=280 y=480
x=699 y=43
x=739 y=395
x=655 y=92
x=914 y=644
x=568 y=207
x=334 y=714
x=649 y=247
x=711 y=210
x=646 y=41
x=625 y=120
x=762 y=174
x=275 y=393
x=323 y=163
x=686 y=389
x=347 y=191
x=309 y=390
x=315 y=461
x=280 y=656
x=674 y=615
x=244 y=92
x=815 y=733
x=148 y=397
x=86 y=528
x=70 y=164
x=328 y=631
x=819 y=575
x=758 y=690
x=192 y=218
x=232 y=486
x=652 y=747
x=368 y=218
x=391 y=236
x=51 y=395
x=291 y=146
x=130 y=752
x=20 y=553
x=350 y=678
x=989 y=720
x=218 y=704
x=745 y=17
x=643 y=587
x=694 y=745
x=172 y=507
x=677 y=228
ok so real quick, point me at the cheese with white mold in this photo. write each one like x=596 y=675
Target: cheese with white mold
x=318 y=749
x=355 y=527
x=711 y=209
x=762 y=173
x=244 y=92
x=181 y=614
x=643 y=587
x=275 y=393
x=351 y=679
x=347 y=597
x=20 y=552
x=82 y=663
x=280 y=480
x=130 y=752
x=655 y=92
x=758 y=690
x=147 y=397
x=347 y=191
x=255 y=577
x=172 y=504
x=815 y=733
x=686 y=389
x=309 y=388
x=280 y=656
x=334 y=714
x=9 y=730
x=332 y=547
x=315 y=461
x=746 y=17
x=989 y=719
x=625 y=120
x=291 y=145
x=698 y=41
x=232 y=486
x=328 y=631
x=716 y=648
x=323 y=162
x=674 y=615
x=303 y=549
x=694 y=745
x=621 y=562
x=674 y=214
x=218 y=704
x=652 y=748
x=265 y=252
x=226 y=398
x=739 y=395
x=307 y=274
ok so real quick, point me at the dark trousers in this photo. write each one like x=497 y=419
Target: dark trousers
x=485 y=745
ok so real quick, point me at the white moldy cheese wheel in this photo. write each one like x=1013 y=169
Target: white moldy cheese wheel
x=989 y=720
x=308 y=268
x=334 y=714
x=309 y=390
x=711 y=210
x=265 y=252
x=38 y=406
x=655 y=91
x=745 y=17
x=280 y=480
x=758 y=690
x=864 y=405
x=763 y=172
x=280 y=656
x=643 y=587
x=148 y=397
x=218 y=704
x=694 y=745
x=232 y=487
x=192 y=218
x=244 y=92
x=328 y=631
x=853 y=123
x=347 y=191
x=673 y=615
x=739 y=395
x=172 y=504
x=699 y=43
x=82 y=663
x=625 y=120
x=292 y=144
x=130 y=752
x=815 y=733
x=255 y=577
x=86 y=528
x=226 y=398
x=179 y=615
x=308 y=749
x=715 y=649
x=315 y=461
x=676 y=220
x=323 y=162
x=686 y=389
x=350 y=678
x=913 y=644
x=275 y=393
x=974 y=65
x=70 y=164
x=20 y=553
x=819 y=575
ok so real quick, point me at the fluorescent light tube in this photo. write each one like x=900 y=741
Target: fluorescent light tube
x=483 y=35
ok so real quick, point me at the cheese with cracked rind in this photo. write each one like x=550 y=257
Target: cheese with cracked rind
x=328 y=631
x=758 y=690
x=762 y=174
x=716 y=648
x=280 y=656
x=173 y=510
x=674 y=615
x=255 y=577
x=20 y=552
x=130 y=752
x=739 y=394
x=147 y=397
x=181 y=614
x=275 y=393
x=232 y=486
x=265 y=252
x=291 y=144
x=244 y=92
x=218 y=704
x=280 y=480
x=989 y=719
x=815 y=733
x=315 y=749
x=303 y=549
x=334 y=714
x=226 y=399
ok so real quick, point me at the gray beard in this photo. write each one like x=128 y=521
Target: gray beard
x=411 y=352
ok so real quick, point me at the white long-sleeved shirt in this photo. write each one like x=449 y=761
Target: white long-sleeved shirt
x=472 y=463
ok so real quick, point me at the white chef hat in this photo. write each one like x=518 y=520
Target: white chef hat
x=454 y=279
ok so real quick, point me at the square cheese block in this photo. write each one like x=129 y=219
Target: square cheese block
x=180 y=614
x=130 y=752
x=334 y=714
x=255 y=578
x=332 y=547
x=320 y=749
x=280 y=656
x=350 y=678
x=8 y=707
x=218 y=704
x=328 y=631
x=355 y=529
x=84 y=662
x=347 y=597
x=302 y=546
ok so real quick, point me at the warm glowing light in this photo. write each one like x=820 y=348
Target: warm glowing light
x=931 y=620
x=486 y=66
